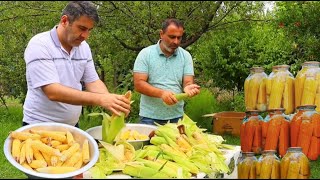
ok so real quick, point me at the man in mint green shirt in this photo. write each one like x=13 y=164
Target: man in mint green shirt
x=162 y=70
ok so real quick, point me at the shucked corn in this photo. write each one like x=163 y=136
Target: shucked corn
x=49 y=151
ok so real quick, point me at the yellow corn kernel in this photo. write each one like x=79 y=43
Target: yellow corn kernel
x=22 y=157
x=309 y=91
x=85 y=152
x=15 y=149
x=29 y=151
x=78 y=164
x=38 y=164
x=24 y=135
x=52 y=134
x=254 y=85
x=125 y=135
x=56 y=170
x=45 y=140
x=288 y=95
x=68 y=153
x=62 y=147
x=45 y=148
x=262 y=96
x=298 y=86
x=70 y=139
x=276 y=92
x=317 y=102
x=184 y=146
x=72 y=160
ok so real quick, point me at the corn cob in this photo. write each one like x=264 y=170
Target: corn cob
x=276 y=92
x=68 y=153
x=62 y=147
x=298 y=85
x=161 y=167
x=254 y=85
x=38 y=164
x=72 y=160
x=29 y=151
x=56 y=170
x=309 y=91
x=52 y=134
x=288 y=95
x=15 y=149
x=246 y=91
x=139 y=170
x=22 y=157
x=262 y=96
x=70 y=139
x=24 y=135
x=85 y=152
x=45 y=148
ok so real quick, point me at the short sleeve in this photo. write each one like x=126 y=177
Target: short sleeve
x=141 y=62
x=90 y=73
x=188 y=67
x=41 y=69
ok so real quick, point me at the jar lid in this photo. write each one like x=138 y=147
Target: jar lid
x=311 y=62
x=276 y=109
x=310 y=106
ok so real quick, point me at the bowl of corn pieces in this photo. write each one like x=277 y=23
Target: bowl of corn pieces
x=51 y=150
x=135 y=134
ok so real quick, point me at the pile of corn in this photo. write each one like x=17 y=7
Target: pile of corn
x=53 y=152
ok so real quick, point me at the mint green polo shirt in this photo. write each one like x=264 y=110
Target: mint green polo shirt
x=163 y=73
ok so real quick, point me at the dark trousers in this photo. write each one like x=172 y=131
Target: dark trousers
x=24 y=124
x=145 y=120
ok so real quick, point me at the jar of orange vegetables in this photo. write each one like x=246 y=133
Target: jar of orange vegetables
x=246 y=165
x=281 y=87
x=268 y=165
x=294 y=165
x=255 y=89
x=276 y=131
x=305 y=131
x=250 y=132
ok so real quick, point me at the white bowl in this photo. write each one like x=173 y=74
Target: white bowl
x=96 y=133
x=79 y=136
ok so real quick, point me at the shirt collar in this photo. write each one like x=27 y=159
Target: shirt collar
x=54 y=36
x=160 y=51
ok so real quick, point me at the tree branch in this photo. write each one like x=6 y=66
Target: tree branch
x=127 y=46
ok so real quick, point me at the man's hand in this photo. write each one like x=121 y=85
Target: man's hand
x=168 y=97
x=115 y=103
x=192 y=89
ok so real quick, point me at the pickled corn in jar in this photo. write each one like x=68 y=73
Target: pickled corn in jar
x=294 y=165
x=277 y=132
x=282 y=89
x=269 y=82
x=268 y=165
x=307 y=85
x=250 y=132
x=246 y=165
x=255 y=89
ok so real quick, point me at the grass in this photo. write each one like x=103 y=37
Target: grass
x=12 y=120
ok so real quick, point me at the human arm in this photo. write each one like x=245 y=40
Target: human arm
x=189 y=87
x=142 y=86
x=115 y=103
x=97 y=87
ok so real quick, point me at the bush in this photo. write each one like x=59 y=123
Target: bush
x=199 y=105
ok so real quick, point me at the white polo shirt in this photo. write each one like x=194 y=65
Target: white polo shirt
x=47 y=62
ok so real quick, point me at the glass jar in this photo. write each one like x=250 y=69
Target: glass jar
x=282 y=90
x=255 y=89
x=246 y=165
x=268 y=165
x=250 y=132
x=269 y=82
x=302 y=87
x=277 y=132
x=294 y=165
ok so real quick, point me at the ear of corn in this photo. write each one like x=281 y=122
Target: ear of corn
x=24 y=135
x=68 y=153
x=85 y=152
x=38 y=164
x=309 y=91
x=29 y=151
x=45 y=148
x=15 y=149
x=288 y=95
x=70 y=139
x=22 y=158
x=246 y=91
x=72 y=160
x=276 y=92
x=53 y=135
x=56 y=170
x=298 y=86
x=62 y=147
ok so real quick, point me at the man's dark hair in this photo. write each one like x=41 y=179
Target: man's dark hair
x=169 y=21
x=75 y=9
